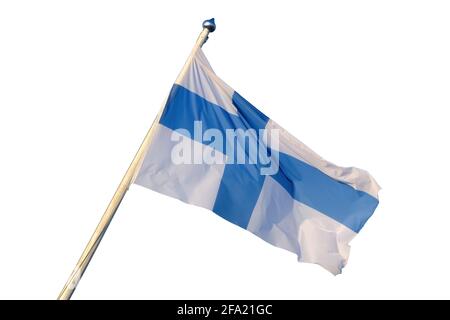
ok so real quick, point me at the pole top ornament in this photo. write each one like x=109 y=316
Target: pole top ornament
x=209 y=24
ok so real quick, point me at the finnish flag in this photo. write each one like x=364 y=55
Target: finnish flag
x=212 y=148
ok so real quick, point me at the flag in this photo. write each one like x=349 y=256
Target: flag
x=213 y=149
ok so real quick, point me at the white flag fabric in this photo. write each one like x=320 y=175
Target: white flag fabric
x=213 y=149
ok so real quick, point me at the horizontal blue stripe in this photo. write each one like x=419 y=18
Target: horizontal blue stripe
x=317 y=190
x=184 y=107
x=304 y=182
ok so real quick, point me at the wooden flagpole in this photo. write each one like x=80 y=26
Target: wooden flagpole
x=127 y=180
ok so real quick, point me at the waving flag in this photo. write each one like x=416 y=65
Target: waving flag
x=213 y=149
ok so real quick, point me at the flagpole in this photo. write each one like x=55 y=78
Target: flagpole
x=127 y=180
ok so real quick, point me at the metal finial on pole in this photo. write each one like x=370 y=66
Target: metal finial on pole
x=127 y=180
x=210 y=25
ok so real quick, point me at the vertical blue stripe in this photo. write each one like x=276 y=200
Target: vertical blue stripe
x=238 y=193
x=253 y=117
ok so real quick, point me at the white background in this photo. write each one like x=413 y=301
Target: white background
x=364 y=83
